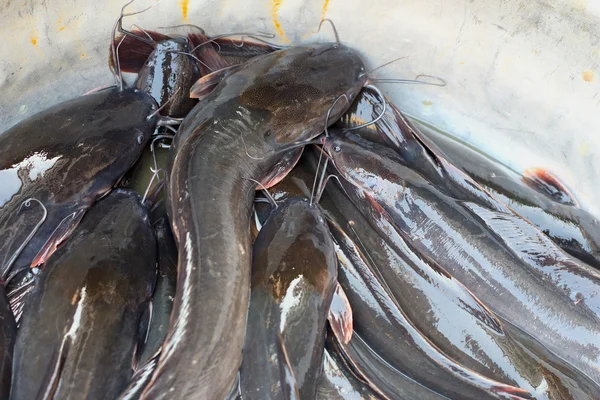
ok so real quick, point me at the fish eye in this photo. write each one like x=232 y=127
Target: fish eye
x=140 y=139
x=337 y=149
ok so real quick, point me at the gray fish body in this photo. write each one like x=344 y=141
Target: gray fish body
x=433 y=301
x=66 y=157
x=164 y=290
x=575 y=230
x=293 y=279
x=337 y=382
x=230 y=137
x=81 y=322
x=445 y=231
x=420 y=368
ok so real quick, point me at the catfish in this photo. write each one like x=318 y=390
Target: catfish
x=229 y=141
x=445 y=231
x=81 y=323
x=294 y=275
x=57 y=163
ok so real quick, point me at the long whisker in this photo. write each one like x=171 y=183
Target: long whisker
x=114 y=50
x=183 y=25
x=335 y=32
x=156 y=138
x=269 y=196
x=379 y=116
x=126 y=32
x=118 y=25
x=382 y=65
x=163 y=106
x=312 y=191
x=329 y=112
x=252 y=35
x=143 y=31
x=440 y=82
x=13 y=258
x=194 y=57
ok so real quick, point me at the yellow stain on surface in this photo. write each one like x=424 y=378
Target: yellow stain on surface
x=34 y=41
x=584 y=149
x=587 y=75
x=275 y=6
x=82 y=55
x=61 y=26
x=185 y=5
x=324 y=10
x=427 y=103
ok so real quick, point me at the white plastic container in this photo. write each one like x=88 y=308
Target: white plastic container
x=523 y=76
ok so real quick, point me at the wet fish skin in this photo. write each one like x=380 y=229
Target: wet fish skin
x=81 y=322
x=230 y=137
x=491 y=271
x=164 y=290
x=294 y=275
x=337 y=382
x=418 y=364
x=168 y=75
x=574 y=229
x=396 y=131
x=433 y=301
x=8 y=334
x=67 y=157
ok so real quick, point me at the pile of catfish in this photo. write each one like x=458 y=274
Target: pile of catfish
x=303 y=240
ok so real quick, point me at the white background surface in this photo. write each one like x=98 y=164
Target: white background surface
x=523 y=75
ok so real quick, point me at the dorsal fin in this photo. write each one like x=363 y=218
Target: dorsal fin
x=205 y=85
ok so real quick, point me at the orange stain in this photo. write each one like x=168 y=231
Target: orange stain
x=34 y=41
x=185 y=5
x=324 y=11
x=82 y=55
x=587 y=75
x=62 y=28
x=276 y=5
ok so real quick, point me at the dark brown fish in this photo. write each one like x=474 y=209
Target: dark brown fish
x=294 y=272
x=81 y=323
x=65 y=158
x=229 y=141
x=168 y=74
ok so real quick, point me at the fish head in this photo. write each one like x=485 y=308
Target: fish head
x=305 y=253
x=303 y=89
x=354 y=162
